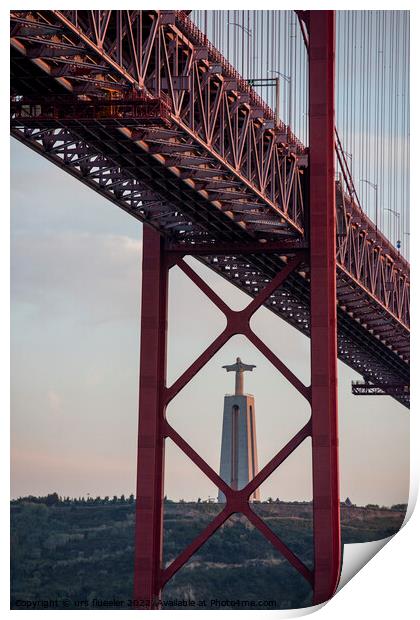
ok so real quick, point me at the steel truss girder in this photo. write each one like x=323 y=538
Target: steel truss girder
x=88 y=164
x=366 y=258
x=207 y=113
x=359 y=388
x=363 y=255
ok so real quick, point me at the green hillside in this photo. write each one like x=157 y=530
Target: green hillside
x=79 y=555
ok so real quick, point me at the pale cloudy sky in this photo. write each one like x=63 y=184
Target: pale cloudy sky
x=76 y=269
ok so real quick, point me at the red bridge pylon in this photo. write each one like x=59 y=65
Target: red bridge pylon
x=158 y=259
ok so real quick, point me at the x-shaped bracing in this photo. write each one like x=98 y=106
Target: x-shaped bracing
x=237 y=500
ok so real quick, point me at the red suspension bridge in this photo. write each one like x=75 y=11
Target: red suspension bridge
x=141 y=107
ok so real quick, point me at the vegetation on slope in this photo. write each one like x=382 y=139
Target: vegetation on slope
x=78 y=554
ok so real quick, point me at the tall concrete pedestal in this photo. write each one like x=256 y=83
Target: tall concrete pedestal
x=238 y=458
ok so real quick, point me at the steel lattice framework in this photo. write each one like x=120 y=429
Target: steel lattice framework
x=140 y=107
x=206 y=165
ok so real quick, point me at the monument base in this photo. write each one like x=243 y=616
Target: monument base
x=238 y=459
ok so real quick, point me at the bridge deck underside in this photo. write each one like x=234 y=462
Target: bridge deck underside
x=135 y=168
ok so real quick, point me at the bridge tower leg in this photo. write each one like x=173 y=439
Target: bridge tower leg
x=322 y=239
x=150 y=457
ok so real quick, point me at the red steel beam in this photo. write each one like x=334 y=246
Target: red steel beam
x=150 y=456
x=322 y=233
